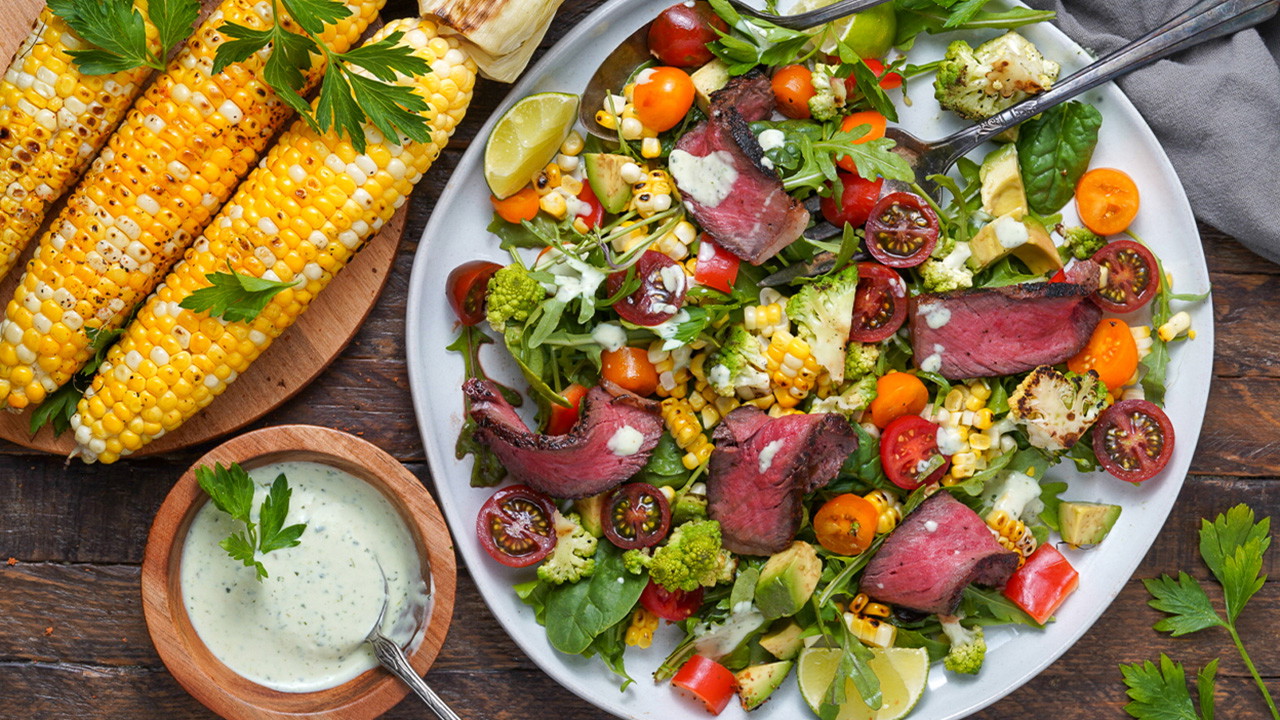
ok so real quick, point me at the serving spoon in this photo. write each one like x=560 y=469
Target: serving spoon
x=392 y=657
x=618 y=67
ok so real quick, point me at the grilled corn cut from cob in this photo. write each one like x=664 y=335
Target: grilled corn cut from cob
x=299 y=217
x=53 y=120
x=177 y=156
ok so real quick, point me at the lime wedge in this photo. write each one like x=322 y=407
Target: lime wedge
x=870 y=33
x=903 y=673
x=526 y=138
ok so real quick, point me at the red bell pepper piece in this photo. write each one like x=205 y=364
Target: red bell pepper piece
x=1041 y=585
x=716 y=268
x=708 y=681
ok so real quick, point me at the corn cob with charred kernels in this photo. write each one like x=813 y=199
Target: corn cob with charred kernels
x=683 y=425
x=178 y=155
x=324 y=200
x=53 y=120
x=793 y=371
x=1012 y=534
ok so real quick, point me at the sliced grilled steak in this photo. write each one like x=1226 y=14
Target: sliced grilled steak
x=611 y=442
x=927 y=562
x=719 y=168
x=1000 y=331
x=762 y=467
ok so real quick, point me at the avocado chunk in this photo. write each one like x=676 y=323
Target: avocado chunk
x=708 y=79
x=787 y=580
x=1085 y=524
x=757 y=682
x=604 y=173
x=1002 y=190
x=784 y=642
x=1025 y=238
x=589 y=511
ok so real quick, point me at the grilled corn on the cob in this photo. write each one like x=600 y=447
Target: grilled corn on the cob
x=176 y=158
x=300 y=216
x=53 y=120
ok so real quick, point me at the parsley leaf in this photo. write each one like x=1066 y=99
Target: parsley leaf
x=1158 y=693
x=118 y=32
x=232 y=490
x=233 y=296
x=1232 y=546
x=1186 y=602
x=1204 y=688
x=60 y=405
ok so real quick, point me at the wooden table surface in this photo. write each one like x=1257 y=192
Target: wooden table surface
x=73 y=643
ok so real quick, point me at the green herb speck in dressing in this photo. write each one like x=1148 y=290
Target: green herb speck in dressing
x=302 y=629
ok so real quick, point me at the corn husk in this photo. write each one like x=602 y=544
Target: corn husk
x=501 y=35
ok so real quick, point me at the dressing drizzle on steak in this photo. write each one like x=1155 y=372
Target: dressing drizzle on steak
x=611 y=442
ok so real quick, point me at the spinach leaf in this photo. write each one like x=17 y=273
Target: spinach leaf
x=665 y=467
x=987 y=606
x=610 y=645
x=577 y=613
x=1054 y=151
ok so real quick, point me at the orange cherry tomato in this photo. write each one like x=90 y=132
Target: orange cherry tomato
x=792 y=88
x=846 y=524
x=871 y=118
x=521 y=206
x=563 y=419
x=897 y=394
x=1107 y=200
x=629 y=367
x=1111 y=351
x=662 y=97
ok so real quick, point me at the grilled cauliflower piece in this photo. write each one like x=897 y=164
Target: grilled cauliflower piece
x=1057 y=408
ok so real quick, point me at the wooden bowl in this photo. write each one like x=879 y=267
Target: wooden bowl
x=190 y=661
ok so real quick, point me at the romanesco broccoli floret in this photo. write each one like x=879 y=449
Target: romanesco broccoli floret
x=823 y=312
x=977 y=83
x=637 y=560
x=826 y=103
x=851 y=402
x=1080 y=243
x=513 y=294
x=690 y=505
x=1057 y=408
x=949 y=272
x=573 y=556
x=691 y=558
x=739 y=366
x=968 y=646
x=860 y=359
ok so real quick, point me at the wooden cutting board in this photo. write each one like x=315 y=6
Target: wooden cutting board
x=292 y=362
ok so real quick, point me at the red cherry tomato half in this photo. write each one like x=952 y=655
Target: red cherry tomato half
x=467 y=286
x=1133 y=440
x=563 y=419
x=716 y=267
x=905 y=445
x=902 y=230
x=516 y=526
x=661 y=293
x=1041 y=585
x=1132 y=276
x=856 y=201
x=888 y=81
x=880 y=305
x=708 y=681
x=636 y=515
x=588 y=196
x=671 y=605
x=679 y=35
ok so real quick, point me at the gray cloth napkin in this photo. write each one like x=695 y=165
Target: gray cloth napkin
x=1215 y=108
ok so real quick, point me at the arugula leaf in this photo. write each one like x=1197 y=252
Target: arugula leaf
x=1186 y=602
x=1158 y=693
x=936 y=16
x=486 y=470
x=753 y=42
x=233 y=296
x=1054 y=150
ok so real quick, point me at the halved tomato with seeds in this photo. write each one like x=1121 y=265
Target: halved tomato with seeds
x=516 y=526
x=1132 y=279
x=1133 y=440
x=636 y=515
x=902 y=230
x=880 y=304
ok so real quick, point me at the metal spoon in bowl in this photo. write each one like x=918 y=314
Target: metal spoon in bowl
x=618 y=67
x=392 y=657
x=1204 y=21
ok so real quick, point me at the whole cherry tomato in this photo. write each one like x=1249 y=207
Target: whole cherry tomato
x=792 y=88
x=679 y=35
x=858 y=198
x=662 y=97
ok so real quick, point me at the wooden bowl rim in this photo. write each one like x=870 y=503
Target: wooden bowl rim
x=189 y=660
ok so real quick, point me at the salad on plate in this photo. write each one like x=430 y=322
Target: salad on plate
x=786 y=405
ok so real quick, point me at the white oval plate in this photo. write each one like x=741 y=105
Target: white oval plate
x=456 y=233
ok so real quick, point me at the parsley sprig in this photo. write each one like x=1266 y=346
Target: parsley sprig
x=59 y=407
x=118 y=31
x=231 y=490
x=1232 y=547
x=348 y=96
x=235 y=296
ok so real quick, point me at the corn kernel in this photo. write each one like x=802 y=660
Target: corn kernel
x=632 y=129
x=979 y=390
x=979 y=441
x=606 y=121
x=553 y=204
x=573 y=144
x=974 y=403
x=581 y=226
x=650 y=147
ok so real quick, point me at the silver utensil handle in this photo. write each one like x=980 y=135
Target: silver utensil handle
x=393 y=659
x=811 y=19
x=1204 y=21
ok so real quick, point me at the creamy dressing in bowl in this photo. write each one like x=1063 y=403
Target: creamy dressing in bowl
x=302 y=629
